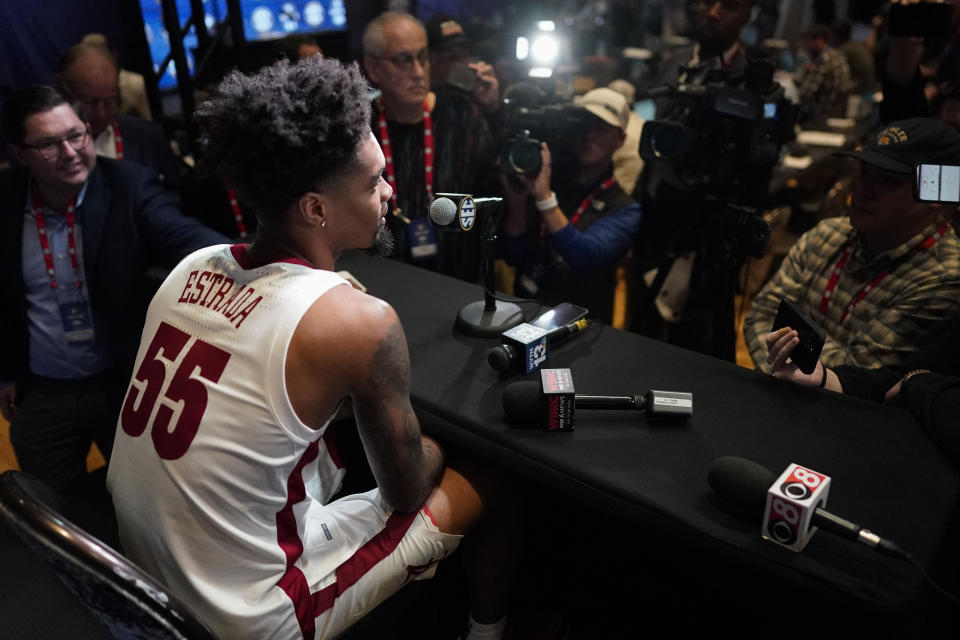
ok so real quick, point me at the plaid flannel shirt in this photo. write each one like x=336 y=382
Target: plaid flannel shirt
x=824 y=86
x=902 y=313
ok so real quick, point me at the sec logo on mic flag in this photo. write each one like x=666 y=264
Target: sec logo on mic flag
x=468 y=214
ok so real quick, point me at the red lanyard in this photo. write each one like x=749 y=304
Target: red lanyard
x=237 y=214
x=117 y=141
x=842 y=263
x=427 y=152
x=45 y=242
x=589 y=199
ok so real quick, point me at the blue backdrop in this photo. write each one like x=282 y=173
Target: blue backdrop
x=33 y=34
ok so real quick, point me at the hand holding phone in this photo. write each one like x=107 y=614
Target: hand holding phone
x=462 y=77
x=929 y=18
x=806 y=353
x=937 y=183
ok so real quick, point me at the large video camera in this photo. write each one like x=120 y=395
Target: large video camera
x=534 y=117
x=708 y=166
x=719 y=133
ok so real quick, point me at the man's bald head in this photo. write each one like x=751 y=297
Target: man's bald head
x=89 y=74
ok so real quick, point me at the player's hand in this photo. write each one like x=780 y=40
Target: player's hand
x=780 y=344
x=8 y=395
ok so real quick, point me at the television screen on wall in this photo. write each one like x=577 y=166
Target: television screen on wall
x=262 y=20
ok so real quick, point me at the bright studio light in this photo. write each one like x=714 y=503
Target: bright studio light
x=540 y=72
x=523 y=48
x=546 y=25
x=545 y=49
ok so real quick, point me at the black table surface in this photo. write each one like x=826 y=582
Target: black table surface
x=887 y=475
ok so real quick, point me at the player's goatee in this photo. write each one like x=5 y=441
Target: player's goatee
x=384 y=243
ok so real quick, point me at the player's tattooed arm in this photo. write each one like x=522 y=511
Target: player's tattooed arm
x=406 y=464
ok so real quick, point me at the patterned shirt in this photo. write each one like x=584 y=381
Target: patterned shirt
x=464 y=158
x=899 y=315
x=824 y=86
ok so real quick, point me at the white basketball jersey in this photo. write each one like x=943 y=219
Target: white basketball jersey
x=211 y=466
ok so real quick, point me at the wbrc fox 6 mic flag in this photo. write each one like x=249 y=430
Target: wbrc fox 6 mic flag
x=791 y=502
x=557 y=401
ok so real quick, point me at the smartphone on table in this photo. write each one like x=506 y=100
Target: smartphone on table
x=560 y=316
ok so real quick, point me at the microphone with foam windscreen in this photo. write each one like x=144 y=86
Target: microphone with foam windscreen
x=748 y=488
x=550 y=403
x=522 y=348
x=457 y=211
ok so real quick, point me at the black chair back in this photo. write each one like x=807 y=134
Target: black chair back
x=121 y=596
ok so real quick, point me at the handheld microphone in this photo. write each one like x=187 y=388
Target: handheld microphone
x=528 y=402
x=748 y=487
x=457 y=211
x=514 y=351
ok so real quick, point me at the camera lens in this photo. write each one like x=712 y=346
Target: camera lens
x=524 y=157
x=667 y=142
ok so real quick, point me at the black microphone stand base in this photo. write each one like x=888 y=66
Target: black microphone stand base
x=478 y=320
x=488 y=318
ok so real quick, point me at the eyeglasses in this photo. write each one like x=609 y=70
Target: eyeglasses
x=92 y=103
x=50 y=149
x=404 y=59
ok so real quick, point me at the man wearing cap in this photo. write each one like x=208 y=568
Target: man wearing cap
x=884 y=281
x=433 y=143
x=567 y=245
x=627 y=163
x=450 y=51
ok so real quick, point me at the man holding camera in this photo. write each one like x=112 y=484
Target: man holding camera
x=566 y=247
x=882 y=282
x=919 y=60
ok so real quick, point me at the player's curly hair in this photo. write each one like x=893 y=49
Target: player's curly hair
x=285 y=130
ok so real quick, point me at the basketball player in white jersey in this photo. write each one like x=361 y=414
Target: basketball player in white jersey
x=220 y=471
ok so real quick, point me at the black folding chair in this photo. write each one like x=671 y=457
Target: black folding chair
x=119 y=595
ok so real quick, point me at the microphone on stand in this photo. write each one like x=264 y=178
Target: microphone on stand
x=489 y=317
x=457 y=211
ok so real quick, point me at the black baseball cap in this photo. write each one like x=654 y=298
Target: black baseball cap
x=444 y=33
x=903 y=144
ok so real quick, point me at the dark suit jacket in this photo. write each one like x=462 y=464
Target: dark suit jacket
x=130 y=223
x=144 y=142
